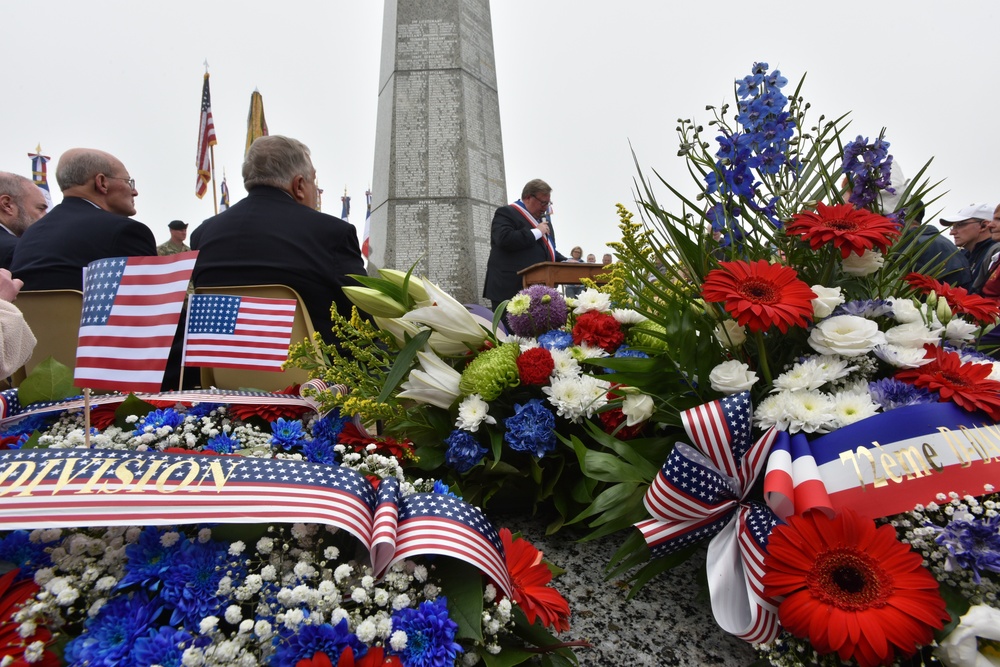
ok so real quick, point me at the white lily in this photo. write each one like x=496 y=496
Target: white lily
x=434 y=383
x=399 y=329
x=448 y=317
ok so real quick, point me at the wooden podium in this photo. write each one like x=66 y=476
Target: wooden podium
x=554 y=274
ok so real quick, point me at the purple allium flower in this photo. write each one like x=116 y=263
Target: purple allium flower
x=158 y=419
x=556 y=340
x=891 y=393
x=464 y=451
x=163 y=646
x=531 y=429
x=107 y=638
x=972 y=543
x=287 y=433
x=307 y=640
x=430 y=635
x=547 y=311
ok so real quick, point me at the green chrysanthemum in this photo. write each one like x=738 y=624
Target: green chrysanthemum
x=491 y=372
x=647 y=335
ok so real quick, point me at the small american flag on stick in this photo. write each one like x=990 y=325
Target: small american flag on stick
x=131 y=307
x=227 y=331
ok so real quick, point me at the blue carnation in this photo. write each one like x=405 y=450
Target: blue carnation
x=891 y=393
x=223 y=443
x=107 y=638
x=147 y=560
x=973 y=544
x=191 y=584
x=162 y=646
x=531 y=429
x=464 y=451
x=430 y=635
x=287 y=433
x=158 y=419
x=556 y=340
x=307 y=640
x=17 y=548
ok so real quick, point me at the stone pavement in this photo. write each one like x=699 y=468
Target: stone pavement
x=667 y=623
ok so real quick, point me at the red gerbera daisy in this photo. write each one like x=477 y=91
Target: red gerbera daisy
x=760 y=295
x=963 y=383
x=530 y=576
x=959 y=300
x=847 y=228
x=852 y=588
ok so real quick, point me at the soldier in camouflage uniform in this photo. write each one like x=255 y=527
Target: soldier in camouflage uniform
x=178 y=232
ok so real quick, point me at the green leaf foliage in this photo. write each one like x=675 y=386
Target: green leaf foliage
x=48 y=381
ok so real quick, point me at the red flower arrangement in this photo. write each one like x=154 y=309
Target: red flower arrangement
x=760 y=295
x=959 y=300
x=963 y=383
x=13 y=594
x=598 y=330
x=849 y=229
x=852 y=588
x=535 y=366
x=352 y=436
x=375 y=657
x=530 y=576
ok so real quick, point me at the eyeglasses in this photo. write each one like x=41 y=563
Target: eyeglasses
x=544 y=202
x=130 y=181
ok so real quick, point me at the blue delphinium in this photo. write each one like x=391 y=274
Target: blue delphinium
x=287 y=433
x=108 y=638
x=190 y=586
x=972 y=543
x=531 y=429
x=163 y=646
x=307 y=640
x=223 y=443
x=430 y=635
x=891 y=393
x=17 y=548
x=463 y=452
x=158 y=419
x=868 y=168
x=147 y=560
x=320 y=451
x=556 y=340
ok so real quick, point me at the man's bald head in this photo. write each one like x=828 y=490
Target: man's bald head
x=98 y=177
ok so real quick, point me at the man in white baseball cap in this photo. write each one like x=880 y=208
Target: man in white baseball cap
x=969 y=227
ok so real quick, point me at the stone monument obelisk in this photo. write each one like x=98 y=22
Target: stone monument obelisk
x=439 y=171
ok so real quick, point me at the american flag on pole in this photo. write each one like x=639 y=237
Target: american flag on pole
x=365 y=249
x=131 y=307
x=206 y=139
x=45 y=488
x=226 y=331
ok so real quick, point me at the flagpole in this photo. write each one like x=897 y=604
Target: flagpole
x=86 y=417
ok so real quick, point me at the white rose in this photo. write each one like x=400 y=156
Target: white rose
x=846 y=335
x=904 y=311
x=912 y=334
x=960 y=647
x=901 y=357
x=637 y=408
x=865 y=265
x=731 y=377
x=730 y=334
x=827 y=299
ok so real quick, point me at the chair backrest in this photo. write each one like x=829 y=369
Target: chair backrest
x=237 y=378
x=54 y=318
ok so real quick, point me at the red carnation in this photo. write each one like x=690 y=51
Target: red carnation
x=760 y=295
x=849 y=229
x=963 y=383
x=959 y=300
x=535 y=366
x=598 y=330
x=613 y=418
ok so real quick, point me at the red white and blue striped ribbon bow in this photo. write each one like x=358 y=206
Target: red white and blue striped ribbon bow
x=699 y=493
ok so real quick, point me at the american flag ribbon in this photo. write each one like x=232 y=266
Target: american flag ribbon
x=131 y=307
x=49 y=488
x=699 y=493
x=227 y=331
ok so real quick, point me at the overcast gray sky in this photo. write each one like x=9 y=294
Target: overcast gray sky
x=578 y=82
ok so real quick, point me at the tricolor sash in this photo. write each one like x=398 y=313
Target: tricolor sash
x=534 y=225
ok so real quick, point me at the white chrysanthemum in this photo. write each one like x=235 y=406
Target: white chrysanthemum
x=519 y=304
x=592 y=299
x=731 y=377
x=565 y=364
x=626 y=316
x=901 y=357
x=730 y=333
x=912 y=334
x=577 y=397
x=523 y=342
x=472 y=412
x=960 y=331
x=808 y=411
x=813 y=373
x=827 y=299
x=853 y=406
x=866 y=264
x=847 y=335
x=585 y=351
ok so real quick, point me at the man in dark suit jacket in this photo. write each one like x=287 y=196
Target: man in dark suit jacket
x=21 y=204
x=519 y=237
x=91 y=223
x=276 y=235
